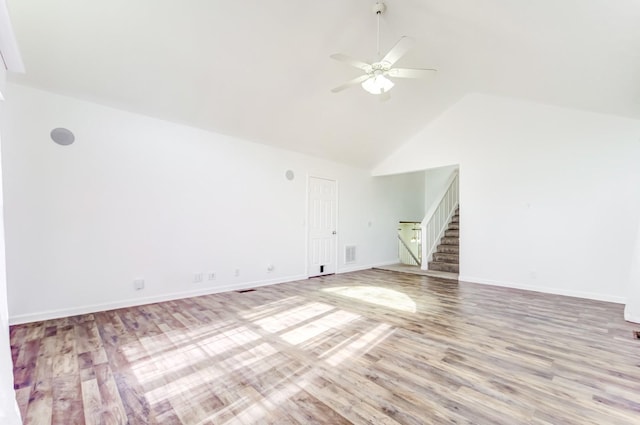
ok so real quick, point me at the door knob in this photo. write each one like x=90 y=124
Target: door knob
x=333 y=233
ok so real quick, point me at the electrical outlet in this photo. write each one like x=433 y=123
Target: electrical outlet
x=270 y=268
x=138 y=284
x=211 y=276
x=237 y=273
x=197 y=277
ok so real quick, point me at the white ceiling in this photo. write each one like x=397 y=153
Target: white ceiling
x=260 y=70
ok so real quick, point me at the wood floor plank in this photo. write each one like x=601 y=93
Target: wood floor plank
x=371 y=347
x=25 y=363
x=22 y=398
x=40 y=408
x=112 y=407
x=65 y=362
x=307 y=409
x=68 y=408
x=91 y=402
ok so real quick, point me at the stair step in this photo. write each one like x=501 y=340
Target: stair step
x=446 y=257
x=449 y=249
x=449 y=241
x=444 y=267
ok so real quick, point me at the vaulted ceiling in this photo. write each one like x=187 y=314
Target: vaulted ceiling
x=260 y=70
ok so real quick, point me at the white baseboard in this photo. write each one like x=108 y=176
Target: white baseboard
x=351 y=269
x=545 y=289
x=54 y=314
x=94 y=308
x=366 y=267
x=630 y=316
x=386 y=263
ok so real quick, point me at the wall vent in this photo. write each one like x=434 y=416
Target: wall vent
x=350 y=254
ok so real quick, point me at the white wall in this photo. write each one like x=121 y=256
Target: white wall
x=632 y=309
x=9 y=413
x=435 y=180
x=412 y=195
x=135 y=197
x=549 y=196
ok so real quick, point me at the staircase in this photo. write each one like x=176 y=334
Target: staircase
x=446 y=257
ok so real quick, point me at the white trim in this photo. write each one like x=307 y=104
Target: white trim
x=545 y=289
x=353 y=269
x=94 y=308
x=8 y=45
x=366 y=267
x=307 y=240
x=450 y=192
x=629 y=317
x=441 y=195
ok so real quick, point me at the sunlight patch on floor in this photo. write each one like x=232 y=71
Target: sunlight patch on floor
x=331 y=321
x=188 y=350
x=292 y=317
x=260 y=406
x=359 y=346
x=376 y=295
x=269 y=309
x=190 y=362
x=195 y=375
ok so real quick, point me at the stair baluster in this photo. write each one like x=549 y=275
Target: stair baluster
x=440 y=229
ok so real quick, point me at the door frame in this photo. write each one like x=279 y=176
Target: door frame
x=307 y=238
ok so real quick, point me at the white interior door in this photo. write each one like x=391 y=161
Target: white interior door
x=322 y=226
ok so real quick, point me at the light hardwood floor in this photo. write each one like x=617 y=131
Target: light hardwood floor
x=372 y=347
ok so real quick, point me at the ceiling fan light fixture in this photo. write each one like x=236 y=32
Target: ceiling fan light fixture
x=377 y=84
x=374 y=80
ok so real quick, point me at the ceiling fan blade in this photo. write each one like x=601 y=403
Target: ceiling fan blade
x=351 y=61
x=398 y=50
x=410 y=72
x=350 y=83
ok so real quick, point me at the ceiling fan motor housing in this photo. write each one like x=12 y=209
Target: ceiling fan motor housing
x=374 y=78
x=379 y=8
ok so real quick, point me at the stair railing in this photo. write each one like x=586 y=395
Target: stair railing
x=437 y=218
x=406 y=255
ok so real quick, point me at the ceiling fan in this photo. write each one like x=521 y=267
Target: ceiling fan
x=374 y=80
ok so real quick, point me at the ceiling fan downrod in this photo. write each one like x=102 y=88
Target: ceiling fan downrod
x=374 y=79
x=379 y=8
